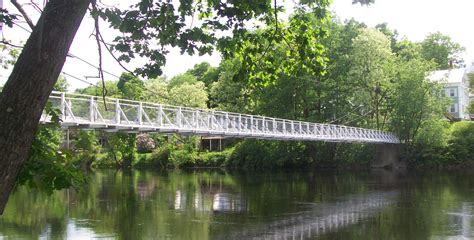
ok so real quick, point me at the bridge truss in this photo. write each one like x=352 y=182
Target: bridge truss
x=90 y=112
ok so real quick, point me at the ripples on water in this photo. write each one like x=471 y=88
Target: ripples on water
x=219 y=205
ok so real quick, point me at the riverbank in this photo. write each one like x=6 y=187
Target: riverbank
x=450 y=147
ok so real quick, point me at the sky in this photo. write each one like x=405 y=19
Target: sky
x=413 y=19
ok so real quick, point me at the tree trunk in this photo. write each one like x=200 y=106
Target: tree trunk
x=27 y=90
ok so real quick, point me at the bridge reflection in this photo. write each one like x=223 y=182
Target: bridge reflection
x=462 y=221
x=315 y=220
x=211 y=202
x=319 y=219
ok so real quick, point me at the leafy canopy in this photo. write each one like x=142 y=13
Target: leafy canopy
x=149 y=28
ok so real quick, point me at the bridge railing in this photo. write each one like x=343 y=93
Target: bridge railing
x=127 y=115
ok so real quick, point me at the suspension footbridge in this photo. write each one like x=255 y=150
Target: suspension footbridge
x=120 y=115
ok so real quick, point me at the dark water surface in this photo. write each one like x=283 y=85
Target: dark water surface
x=220 y=205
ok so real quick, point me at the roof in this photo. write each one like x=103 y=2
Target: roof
x=449 y=76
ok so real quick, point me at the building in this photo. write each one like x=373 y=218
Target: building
x=457 y=88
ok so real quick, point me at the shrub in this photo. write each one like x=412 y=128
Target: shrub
x=160 y=157
x=461 y=142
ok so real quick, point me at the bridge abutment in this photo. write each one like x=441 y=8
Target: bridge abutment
x=387 y=156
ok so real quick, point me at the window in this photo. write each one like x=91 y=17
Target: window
x=453 y=108
x=452 y=92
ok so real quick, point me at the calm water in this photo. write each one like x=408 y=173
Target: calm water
x=220 y=205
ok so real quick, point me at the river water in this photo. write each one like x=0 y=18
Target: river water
x=222 y=205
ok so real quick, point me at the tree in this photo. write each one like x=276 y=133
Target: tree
x=392 y=35
x=188 y=95
x=407 y=50
x=335 y=91
x=122 y=148
x=131 y=87
x=111 y=86
x=227 y=94
x=415 y=99
x=204 y=72
x=27 y=90
x=371 y=62
x=442 y=50
x=157 y=90
x=181 y=79
x=470 y=78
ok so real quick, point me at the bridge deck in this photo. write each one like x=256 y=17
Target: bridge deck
x=90 y=112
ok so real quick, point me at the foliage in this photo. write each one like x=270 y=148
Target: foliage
x=189 y=95
x=130 y=86
x=157 y=90
x=169 y=156
x=470 y=77
x=7 y=18
x=442 y=50
x=181 y=79
x=61 y=85
x=440 y=144
x=470 y=108
x=48 y=168
x=433 y=133
x=461 y=142
x=161 y=157
x=86 y=148
x=227 y=94
x=122 y=148
x=8 y=54
x=415 y=99
x=372 y=59
x=164 y=24
x=205 y=73
x=111 y=86
x=264 y=155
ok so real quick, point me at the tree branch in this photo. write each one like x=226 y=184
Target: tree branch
x=99 y=49
x=23 y=13
x=10 y=44
x=112 y=54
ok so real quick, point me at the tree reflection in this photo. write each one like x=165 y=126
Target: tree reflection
x=216 y=204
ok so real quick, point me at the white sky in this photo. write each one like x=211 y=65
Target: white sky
x=412 y=18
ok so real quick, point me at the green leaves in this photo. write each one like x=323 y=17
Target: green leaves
x=442 y=50
x=48 y=168
x=149 y=28
x=7 y=18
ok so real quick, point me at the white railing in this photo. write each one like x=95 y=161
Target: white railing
x=84 y=111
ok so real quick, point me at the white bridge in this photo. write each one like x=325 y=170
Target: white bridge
x=90 y=112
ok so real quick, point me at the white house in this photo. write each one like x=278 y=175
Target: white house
x=457 y=88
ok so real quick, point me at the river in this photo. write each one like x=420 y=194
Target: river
x=229 y=205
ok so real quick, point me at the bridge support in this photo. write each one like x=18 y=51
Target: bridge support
x=387 y=156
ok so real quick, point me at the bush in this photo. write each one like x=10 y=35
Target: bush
x=214 y=159
x=442 y=145
x=160 y=157
x=461 y=142
x=264 y=154
x=183 y=158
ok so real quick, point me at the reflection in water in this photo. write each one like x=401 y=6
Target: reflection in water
x=218 y=202
x=462 y=222
x=320 y=219
x=218 y=205
x=226 y=202
x=179 y=200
